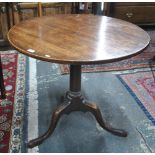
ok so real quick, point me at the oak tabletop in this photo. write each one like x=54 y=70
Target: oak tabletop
x=78 y=39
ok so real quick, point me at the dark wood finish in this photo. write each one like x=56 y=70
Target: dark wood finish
x=7 y=20
x=78 y=39
x=8 y=17
x=74 y=101
x=75 y=78
x=75 y=8
x=106 y=9
x=2 y=87
x=141 y=13
x=3 y=24
x=4 y=20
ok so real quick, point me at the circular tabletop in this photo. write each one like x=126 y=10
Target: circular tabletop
x=78 y=39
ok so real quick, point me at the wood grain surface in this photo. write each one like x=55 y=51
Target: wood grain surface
x=78 y=39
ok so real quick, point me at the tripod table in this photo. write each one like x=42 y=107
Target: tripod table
x=77 y=40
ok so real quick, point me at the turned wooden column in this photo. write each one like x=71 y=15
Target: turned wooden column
x=75 y=78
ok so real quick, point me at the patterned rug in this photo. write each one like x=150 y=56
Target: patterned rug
x=11 y=109
x=141 y=85
x=140 y=61
x=45 y=88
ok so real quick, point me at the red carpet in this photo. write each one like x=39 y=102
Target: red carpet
x=141 y=86
x=10 y=117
